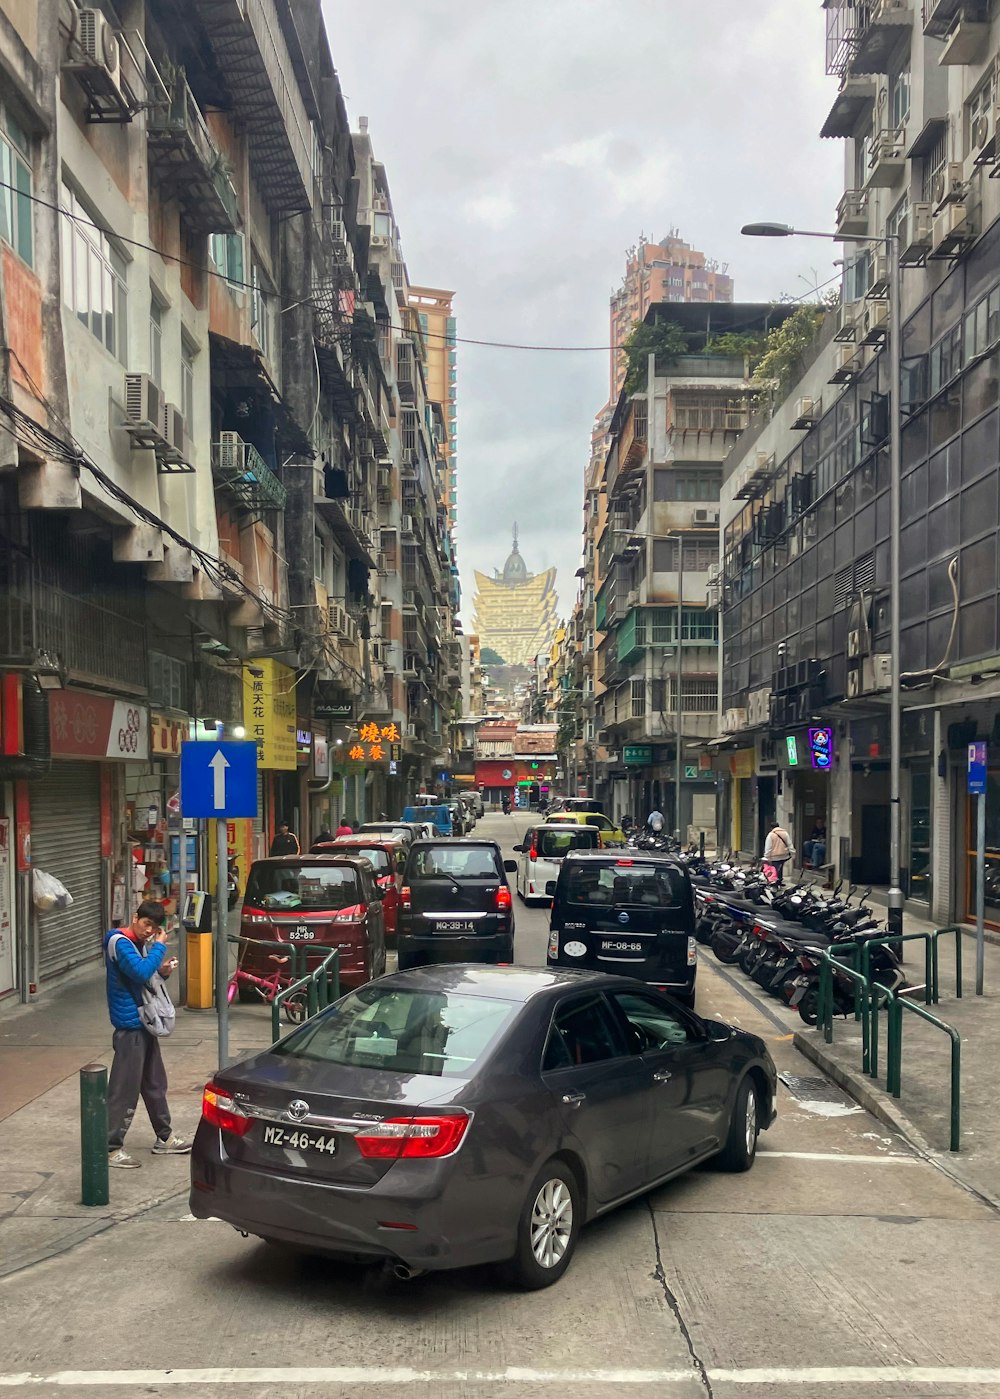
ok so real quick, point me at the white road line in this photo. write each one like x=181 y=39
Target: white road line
x=885 y=1375
x=892 y=1159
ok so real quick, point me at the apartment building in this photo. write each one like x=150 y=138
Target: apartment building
x=201 y=421
x=656 y=554
x=436 y=313
x=806 y=497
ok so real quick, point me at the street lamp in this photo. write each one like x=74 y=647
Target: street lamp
x=891 y=244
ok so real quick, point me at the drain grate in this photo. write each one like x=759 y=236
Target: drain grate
x=815 y=1090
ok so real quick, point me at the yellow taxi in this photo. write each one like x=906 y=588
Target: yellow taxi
x=609 y=835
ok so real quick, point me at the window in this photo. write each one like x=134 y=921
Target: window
x=409 y=1032
x=453 y=861
x=899 y=101
x=167 y=681
x=980 y=104
x=707 y=411
x=650 y=1024
x=700 y=696
x=156 y=310
x=321 y=558
x=227 y=254
x=94 y=276
x=16 y=221
x=188 y=353
x=934 y=163
x=699 y=555
x=624 y=885
x=638 y=698
x=582 y=1032
x=260 y=311
x=896 y=222
x=671 y=484
x=383 y=229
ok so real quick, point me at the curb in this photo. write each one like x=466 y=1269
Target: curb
x=864 y=1091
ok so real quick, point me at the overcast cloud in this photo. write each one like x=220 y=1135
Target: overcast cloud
x=528 y=143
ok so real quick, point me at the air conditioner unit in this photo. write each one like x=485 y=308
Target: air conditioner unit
x=915 y=235
x=878 y=282
x=174 y=430
x=855 y=643
x=764 y=461
x=733 y=720
x=758 y=707
x=144 y=404
x=953 y=226
x=407 y=524
x=382 y=565
x=807 y=412
x=881 y=665
x=845 y=365
x=948 y=184
x=706 y=517
x=875 y=323
x=847 y=322
x=231 y=453
x=95 y=50
x=853 y=684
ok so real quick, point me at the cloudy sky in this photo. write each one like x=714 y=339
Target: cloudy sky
x=528 y=143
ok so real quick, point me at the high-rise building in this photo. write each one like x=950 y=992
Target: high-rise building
x=437 y=322
x=670 y=270
x=515 y=611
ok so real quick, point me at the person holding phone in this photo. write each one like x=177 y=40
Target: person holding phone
x=138 y=953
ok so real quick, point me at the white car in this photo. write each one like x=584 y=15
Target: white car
x=541 y=852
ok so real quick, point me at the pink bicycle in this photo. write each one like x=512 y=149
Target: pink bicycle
x=246 y=985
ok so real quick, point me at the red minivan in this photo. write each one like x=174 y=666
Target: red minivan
x=321 y=901
x=387 y=856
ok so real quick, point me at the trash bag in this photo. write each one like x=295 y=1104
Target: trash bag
x=48 y=892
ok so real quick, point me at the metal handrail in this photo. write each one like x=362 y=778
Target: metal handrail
x=317 y=988
x=895 y=1058
x=929 y=973
x=869 y=998
x=957 y=929
x=298 y=950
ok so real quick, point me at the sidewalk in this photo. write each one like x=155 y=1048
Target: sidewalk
x=42 y=1048
x=922 y=1112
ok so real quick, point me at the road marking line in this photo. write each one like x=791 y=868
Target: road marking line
x=892 y=1159
x=511 y=1374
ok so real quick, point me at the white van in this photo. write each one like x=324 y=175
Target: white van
x=541 y=853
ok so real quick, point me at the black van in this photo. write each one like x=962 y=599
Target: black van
x=455 y=904
x=629 y=913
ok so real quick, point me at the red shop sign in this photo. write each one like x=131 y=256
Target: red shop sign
x=82 y=725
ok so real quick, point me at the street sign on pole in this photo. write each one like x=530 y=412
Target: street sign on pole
x=977 y=788
x=219 y=779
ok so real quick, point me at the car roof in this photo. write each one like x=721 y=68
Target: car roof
x=515 y=983
x=368 y=842
x=549 y=824
x=451 y=842
x=290 y=861
x=627 y=857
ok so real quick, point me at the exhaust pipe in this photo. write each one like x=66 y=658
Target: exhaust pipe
x=404 y=1273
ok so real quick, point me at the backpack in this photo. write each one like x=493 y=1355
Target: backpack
x=156 y=1009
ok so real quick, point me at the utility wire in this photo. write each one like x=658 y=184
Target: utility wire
x=449 y=339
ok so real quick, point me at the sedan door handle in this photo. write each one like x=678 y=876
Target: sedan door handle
x=574 y=1100
x=662 y=1075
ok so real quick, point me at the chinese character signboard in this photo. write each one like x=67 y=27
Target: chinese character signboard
x=269 y=712
x=638 y=753
x=82 y=725
x=374 y=741
x=167 y=734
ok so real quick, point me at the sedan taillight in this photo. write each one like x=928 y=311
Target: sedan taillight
x=405 y=1137
x=219 y=1109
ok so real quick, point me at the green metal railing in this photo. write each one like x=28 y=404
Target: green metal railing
x=894 y=1068
x=321 y=987
x=296 y=950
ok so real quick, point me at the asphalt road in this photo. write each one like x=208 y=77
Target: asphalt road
x=842 y=1265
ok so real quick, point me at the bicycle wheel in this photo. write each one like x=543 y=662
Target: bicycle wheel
x=295 y=1009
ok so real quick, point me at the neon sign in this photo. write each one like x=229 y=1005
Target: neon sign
x=821 y=749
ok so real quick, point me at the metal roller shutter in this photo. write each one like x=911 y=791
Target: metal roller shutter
x=66 y=842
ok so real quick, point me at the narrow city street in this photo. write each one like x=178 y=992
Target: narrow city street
x=842 y=1264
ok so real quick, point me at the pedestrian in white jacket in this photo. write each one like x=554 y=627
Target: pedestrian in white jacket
x=778 y=848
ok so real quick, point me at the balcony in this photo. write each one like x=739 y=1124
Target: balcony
x=187 y=162
x=240 y=468
x=406 y=372
x=940 y=17
x=883 y=24
x=635 y=434
x=852 y=214
x=855 y=98
x=886 y=158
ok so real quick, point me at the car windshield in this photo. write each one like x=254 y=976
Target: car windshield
x=409 y=1032
x=277 y=887
x=456 y=861
x=374 y=854
x=651 y=886
x=553 y=845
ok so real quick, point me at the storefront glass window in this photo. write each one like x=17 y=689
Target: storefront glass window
x=920 y=832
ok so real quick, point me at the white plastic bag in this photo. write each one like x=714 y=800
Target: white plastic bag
x=48 y=892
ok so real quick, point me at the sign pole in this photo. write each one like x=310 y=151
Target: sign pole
x=221 y=941
x=980 y=891
x=182 y=965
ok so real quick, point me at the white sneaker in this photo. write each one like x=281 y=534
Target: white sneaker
x=123 y=1160
x=173 y=1146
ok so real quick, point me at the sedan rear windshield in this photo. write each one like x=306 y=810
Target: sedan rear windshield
x=649 y=886
x=452 y=861
x=279 y=887
x=375 y=855
x=552 y=845
x=440 y=1033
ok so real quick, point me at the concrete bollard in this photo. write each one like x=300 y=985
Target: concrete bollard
x=94 y=1134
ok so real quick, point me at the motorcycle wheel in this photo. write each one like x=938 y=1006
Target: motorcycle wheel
x=725 y=951
x=809 y=1006
x=748 y=959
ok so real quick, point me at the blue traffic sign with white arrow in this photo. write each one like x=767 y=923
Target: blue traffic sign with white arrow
x=219 y=779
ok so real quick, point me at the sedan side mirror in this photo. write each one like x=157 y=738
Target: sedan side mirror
x=510 y=866
x=519 y=848
x=550 y=888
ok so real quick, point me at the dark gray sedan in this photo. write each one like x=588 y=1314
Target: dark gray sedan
x=457 y=1115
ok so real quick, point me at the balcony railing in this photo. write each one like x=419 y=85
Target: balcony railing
x=852 y=212
x=406 y=374
x=189 y=163
x=635 y=434
x=243 y=471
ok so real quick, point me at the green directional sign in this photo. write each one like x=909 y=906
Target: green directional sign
x=691 y=771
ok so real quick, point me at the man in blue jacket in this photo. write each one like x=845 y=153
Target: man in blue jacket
x=137 y=955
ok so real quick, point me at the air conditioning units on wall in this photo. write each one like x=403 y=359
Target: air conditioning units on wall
x=807 y=412
x=948 y=184
x=706 y=517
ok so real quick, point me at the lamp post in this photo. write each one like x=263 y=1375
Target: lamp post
x=895 y=346
x=679 y=758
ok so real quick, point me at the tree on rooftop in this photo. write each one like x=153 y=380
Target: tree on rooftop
x=665 y=339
